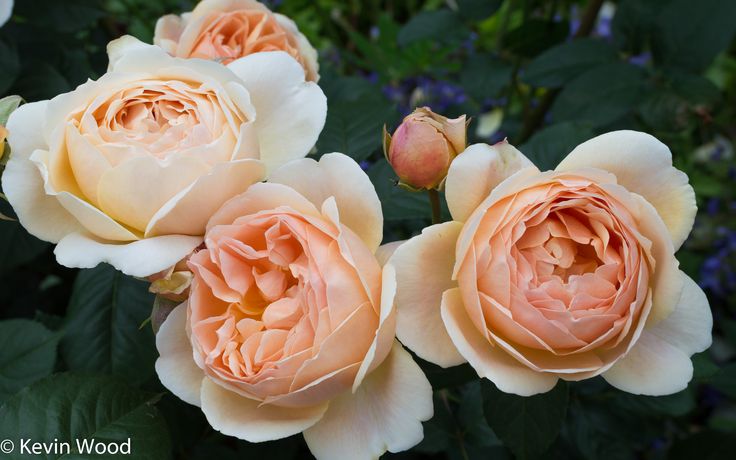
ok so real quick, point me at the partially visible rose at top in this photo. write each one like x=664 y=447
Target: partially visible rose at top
x=225 y=30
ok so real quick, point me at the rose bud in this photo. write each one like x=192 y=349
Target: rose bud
x=423 y=146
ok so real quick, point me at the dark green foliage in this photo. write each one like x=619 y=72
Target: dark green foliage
x=76 y=358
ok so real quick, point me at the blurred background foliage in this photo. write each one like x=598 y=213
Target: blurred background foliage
x=544 y=74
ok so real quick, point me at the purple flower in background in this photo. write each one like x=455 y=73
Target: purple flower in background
x=718 y=272
x=642 y=59
x=421 y=91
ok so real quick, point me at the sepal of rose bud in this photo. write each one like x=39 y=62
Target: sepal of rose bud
x=423 y=146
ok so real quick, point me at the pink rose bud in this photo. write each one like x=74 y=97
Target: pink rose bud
x=423 y=146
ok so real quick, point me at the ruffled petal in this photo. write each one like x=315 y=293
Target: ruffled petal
x=643 y=165
x=489 y=360
x=337 y=175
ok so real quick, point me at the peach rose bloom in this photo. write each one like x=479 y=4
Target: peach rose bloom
x=129 y=168
x=564 y=274
x=290 y=322
x=225 y=30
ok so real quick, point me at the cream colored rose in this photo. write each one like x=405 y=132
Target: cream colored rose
x=127 y=169
x=225 y=30
x=560 y=274
x=290 y=322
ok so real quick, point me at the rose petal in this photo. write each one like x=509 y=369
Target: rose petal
x=476 y=171
x=291 y=112
x=488 y=360
x=175 y=366
x=689 y=327
x=244 y=418
x=337 y=175
x=384 y=414
x=41 y=214
x=188 y=212
x=140 y=258
x=652 y=367
x=262 y=197
x=643 y=165
x=424 y=271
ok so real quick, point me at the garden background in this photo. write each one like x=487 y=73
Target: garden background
x=544 y=74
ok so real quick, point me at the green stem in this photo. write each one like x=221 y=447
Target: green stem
x=434 y=200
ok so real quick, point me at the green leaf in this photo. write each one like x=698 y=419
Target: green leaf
x=534 y=36
x=102 y=328
x=427 y=24
x=546 y=148
x=27 y=354
x=526 y=425
x=68 y=16
x=69 y=407
x=477 y=10
x=397 y=203
x=41 y=81
x=725 y=380
x=601 y=95
x=633 y=23
x=562 y=63
x=17 y=246
x=355 y=127
x=8 y=104
x=691 y=34
x=9 y=66
x=485 y=76
x=674 y=405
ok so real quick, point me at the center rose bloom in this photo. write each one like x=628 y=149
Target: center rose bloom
x=290 y=323
x=560 y=274
x=225 y=30
x=127 y=169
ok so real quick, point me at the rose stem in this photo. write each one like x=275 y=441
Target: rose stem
x=434 y=200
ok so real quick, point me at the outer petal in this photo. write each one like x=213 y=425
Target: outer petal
x=384 y=414
x=476 y=171
x=489 y=360
x=424 y=271
x=188 y=212
x=385 y=251
x=42 y=215
x=290 y=111
x=167 y=33
x=659 y=363
x=139 y=258
x=653 y=367
x=306 y=50
x=689 y=327
x=175 y=366
x=643 y=165
x=337 y=175
x=235 y=415
x=260 y=197
x=381 y=345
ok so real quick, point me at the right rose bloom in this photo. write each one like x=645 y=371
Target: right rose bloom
x=564 y=274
